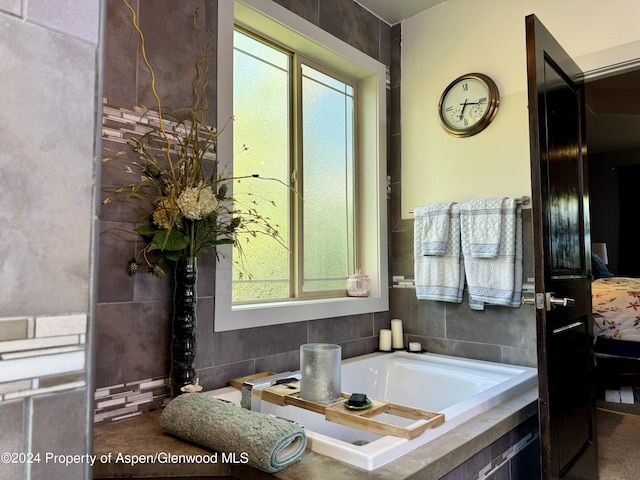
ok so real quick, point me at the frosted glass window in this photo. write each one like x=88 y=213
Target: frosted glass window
x=261 y=106
x=298 y=122
x=328 y=173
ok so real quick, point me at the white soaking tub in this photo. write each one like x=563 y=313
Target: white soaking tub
x=457 y=387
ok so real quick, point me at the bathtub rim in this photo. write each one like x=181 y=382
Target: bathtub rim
x=459 y=413
x=360 y=457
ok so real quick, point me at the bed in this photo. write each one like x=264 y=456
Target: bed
x=616 y=326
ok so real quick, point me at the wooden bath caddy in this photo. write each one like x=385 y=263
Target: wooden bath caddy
x=289 y=394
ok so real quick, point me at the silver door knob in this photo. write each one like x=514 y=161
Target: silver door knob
x=559 y=302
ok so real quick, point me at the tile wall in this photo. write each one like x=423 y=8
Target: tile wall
x=133 y=313
x=496 y=334
x=50 y=78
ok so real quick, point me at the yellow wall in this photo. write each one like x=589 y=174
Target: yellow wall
x=463 y=36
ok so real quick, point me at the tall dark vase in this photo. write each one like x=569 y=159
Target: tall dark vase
x=183 y=341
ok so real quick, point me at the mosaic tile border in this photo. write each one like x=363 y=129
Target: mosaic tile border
x=121 y=123
x=507 y=455
x=41 y=354
x=118 y=402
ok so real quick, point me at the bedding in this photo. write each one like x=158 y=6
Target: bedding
x=616 y=308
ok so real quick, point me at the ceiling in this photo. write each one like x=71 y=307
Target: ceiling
x=394 y=11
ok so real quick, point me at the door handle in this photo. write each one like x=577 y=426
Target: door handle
x=546 y=301
x=552 y=301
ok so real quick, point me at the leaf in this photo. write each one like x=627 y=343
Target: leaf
x=171 y=240
x=220 y=241
x=147 y=230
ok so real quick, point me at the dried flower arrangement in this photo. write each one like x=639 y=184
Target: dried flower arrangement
x=176 y=170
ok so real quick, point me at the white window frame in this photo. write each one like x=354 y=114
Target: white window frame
x=283 y=26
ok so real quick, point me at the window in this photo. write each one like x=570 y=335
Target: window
x=317 y=219
x=334 y=81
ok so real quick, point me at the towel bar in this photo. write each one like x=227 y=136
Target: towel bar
x=524 y=200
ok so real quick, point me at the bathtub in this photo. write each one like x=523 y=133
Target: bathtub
x=457 y=387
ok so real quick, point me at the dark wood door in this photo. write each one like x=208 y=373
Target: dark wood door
x=562 y=259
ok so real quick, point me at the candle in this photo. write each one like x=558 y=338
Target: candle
x=385 y=340
x=396 y=333
x=415 y=347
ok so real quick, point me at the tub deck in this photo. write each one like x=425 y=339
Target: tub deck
x=458 y=388
x=429 y=462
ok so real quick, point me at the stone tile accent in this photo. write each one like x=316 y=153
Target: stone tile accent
x=117 y=402
x=41 y=354
x=61 y=325
x=14 y=329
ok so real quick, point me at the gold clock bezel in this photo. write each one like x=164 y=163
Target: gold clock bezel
x=492 y=108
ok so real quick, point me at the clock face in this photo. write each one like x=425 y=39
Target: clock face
x=468 y=105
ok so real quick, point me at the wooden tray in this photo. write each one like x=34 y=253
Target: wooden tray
x=289 y=394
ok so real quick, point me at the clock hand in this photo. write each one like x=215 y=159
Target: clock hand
x=464 y=105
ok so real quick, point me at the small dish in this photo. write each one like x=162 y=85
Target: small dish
x=362 y=407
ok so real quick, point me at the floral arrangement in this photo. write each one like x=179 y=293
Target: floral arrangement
x=191 y=208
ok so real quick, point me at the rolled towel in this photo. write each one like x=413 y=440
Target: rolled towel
x=269 y=443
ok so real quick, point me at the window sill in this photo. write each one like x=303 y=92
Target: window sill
x=252 y=315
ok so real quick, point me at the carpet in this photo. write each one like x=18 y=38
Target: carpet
x=618 y=445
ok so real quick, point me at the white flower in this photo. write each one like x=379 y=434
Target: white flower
x=195 y=203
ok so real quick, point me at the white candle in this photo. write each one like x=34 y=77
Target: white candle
x=396 y=333
x=385 y=340
x=415 y=347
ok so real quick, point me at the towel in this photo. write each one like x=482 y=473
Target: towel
x=438 y=277
x=269 y=443
x=493 y=280
x=484 y=221
x=432 y=221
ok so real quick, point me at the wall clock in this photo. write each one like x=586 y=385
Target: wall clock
x=468 y=104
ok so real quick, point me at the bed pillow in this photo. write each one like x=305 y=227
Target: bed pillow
x=599 y=268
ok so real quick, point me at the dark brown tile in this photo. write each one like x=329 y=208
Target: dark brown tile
x=358 y=27
x=205 y=355
x=121 y=51
x=359 y=347
x=132 y=342
x=307 y=9
x=117 y=248
x=282 y=362
x=218 y=377
x=173 y=49
x=340 y=329
x=402 y=261
x=238 y=345
x=384 y=42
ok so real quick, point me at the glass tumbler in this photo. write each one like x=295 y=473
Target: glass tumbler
x=320 y=365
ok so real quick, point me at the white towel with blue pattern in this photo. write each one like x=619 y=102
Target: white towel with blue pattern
x=484 y=221
x=432 y=222
x=439 y=277
x=495 y=280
